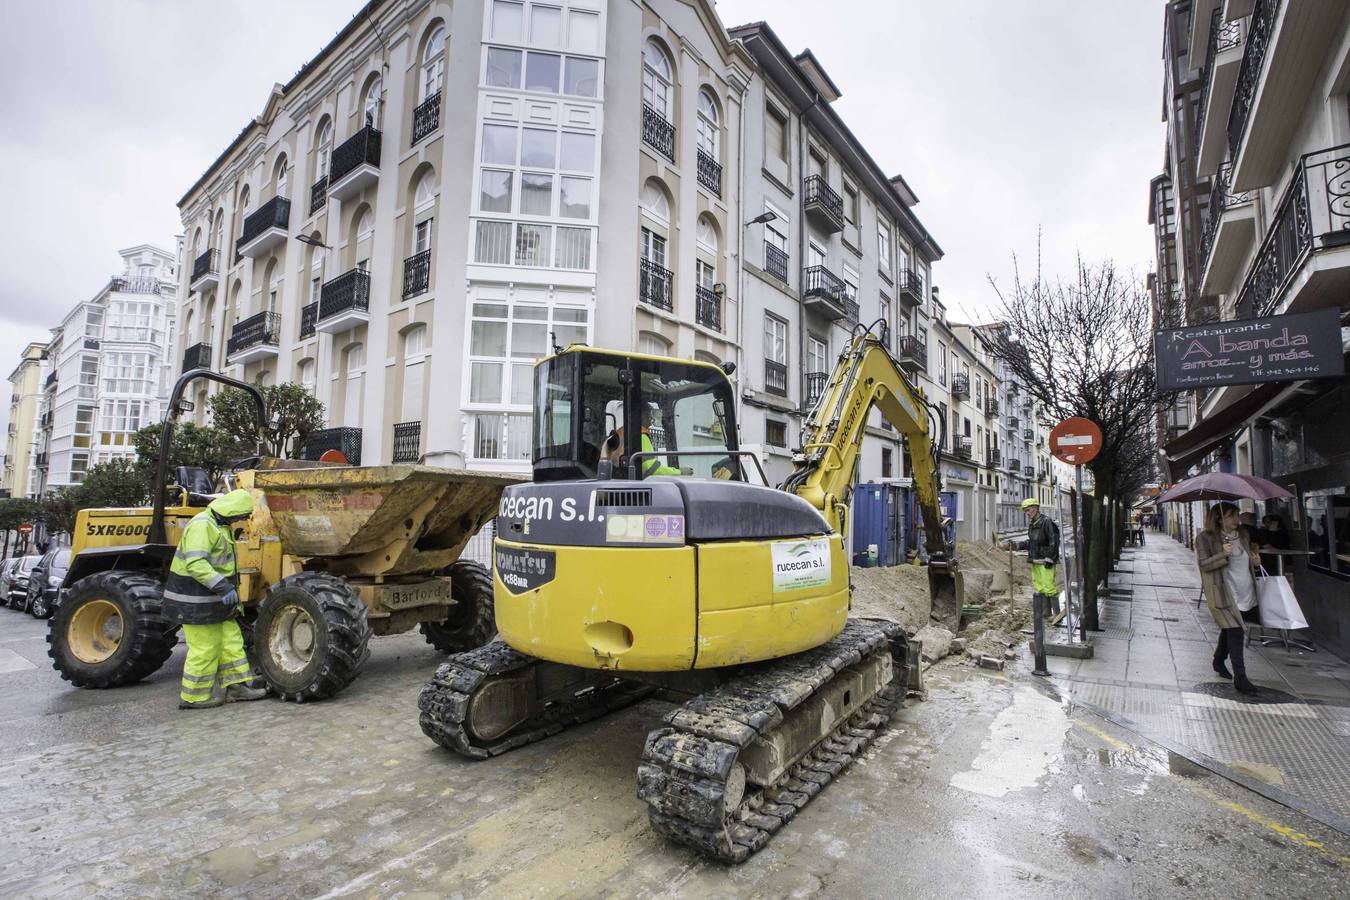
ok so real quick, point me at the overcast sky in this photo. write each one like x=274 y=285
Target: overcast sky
x=1003 y=116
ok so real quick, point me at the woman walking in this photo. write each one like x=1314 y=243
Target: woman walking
x=1227 y=563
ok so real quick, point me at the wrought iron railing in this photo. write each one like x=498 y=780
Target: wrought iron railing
x=198 y=356
x=309 y=317
x=261 y=328
x=1259 y=29
x=658 y=133
x=1220 y=199
x=426 y=117
x=991 y=406
x=709 y=173
x=1028 y=434
x=995 y=456
x=1313 y=215
x=818 y=281
x=51 y=380
x=207 y=263
x=416 y=274
x=961 y=386
x=1014 y=423
x=407 y=442
x=361 y=148
x=707 y=308
x=346 y=441
x=318 y=194
x=275 y=213
x=911 y=282
x=815 y=387
x=817 y=194
x=1014 y=465
x=775 y=261
x=775 y=378
x=654 y=284
x=141 y=284
x=962 y=446
x=349 y=291
x=912 y=348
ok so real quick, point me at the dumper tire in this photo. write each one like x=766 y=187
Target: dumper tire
x=110 y=631
x=312 y=636
x=473 y=620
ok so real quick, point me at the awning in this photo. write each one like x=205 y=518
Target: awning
x=1189 y=448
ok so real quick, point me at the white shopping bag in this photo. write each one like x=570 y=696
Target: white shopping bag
x=1279 y=606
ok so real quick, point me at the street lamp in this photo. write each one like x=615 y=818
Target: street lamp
x=767 y=216
x=312 y=241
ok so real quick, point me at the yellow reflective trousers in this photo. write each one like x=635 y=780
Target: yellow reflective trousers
x=215 y=656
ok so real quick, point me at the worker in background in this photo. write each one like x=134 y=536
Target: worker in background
x=651 y=465
x=202 y=594
x=1042 y=552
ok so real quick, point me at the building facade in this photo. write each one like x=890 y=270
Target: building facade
x=1268 y=138
x=25 y=401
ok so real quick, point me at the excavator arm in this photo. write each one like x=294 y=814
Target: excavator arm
x=867 y=376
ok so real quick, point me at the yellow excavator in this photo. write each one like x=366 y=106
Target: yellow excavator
x=644 y=558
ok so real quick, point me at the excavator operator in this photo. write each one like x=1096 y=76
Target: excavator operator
x=651 y=465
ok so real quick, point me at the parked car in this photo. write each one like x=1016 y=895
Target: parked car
x=6 y=570
x=18 y=582
x=44 y=583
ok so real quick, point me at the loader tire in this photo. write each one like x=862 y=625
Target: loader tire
x=109 y=631
x=311 y=637
x=472 y=621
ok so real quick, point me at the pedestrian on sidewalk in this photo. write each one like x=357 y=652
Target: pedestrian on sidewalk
x=202 y=593
x=1227 y=561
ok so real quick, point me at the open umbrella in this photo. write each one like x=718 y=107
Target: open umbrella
x=1223 y=486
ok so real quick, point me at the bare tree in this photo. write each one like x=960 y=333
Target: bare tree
x=1085 y=348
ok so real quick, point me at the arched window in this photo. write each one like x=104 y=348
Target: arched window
x=244 y=200
x=370 y=104
x=306 y=372
x=197 y=243
x=654 y=201
x=218 y=230
x=706 y=235
x=709 y=127
x=273 y=286
x=325 y=147
x=433 y=64
x=354 y=370
x=281 y=176
x=414 y=371
x=653 y=344
x=365 y=226
x=425 y=193
x=656 y=78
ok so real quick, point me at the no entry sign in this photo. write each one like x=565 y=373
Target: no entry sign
x=1075 y=441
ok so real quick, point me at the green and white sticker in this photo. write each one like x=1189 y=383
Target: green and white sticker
x=801 y=564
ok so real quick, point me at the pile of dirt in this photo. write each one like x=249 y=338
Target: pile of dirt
x=898 y=593
x=984 y=555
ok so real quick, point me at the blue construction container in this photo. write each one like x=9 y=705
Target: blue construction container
x=914 y=532
x=879 y=518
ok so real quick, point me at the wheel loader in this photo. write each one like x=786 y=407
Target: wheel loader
x=332 y=555
x=650 y=555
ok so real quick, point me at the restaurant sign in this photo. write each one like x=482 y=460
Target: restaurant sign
x=1251 y=351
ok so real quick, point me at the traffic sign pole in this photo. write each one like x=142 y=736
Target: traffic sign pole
x=1077 y=441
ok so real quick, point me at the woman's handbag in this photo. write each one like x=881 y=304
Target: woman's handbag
x=1279 y=606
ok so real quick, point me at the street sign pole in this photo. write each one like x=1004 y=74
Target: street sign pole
x=1078 y=553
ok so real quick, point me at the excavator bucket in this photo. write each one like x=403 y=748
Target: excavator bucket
x=946 y=584
x=384 y=520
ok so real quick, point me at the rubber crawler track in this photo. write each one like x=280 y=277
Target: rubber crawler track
x=444 y=701
x=686 y=765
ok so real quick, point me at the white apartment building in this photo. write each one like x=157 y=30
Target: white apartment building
x=25 y=403
x=966 y=399
x=445 y=193
x=111 y=359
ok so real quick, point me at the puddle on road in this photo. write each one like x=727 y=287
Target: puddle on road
x=1024 y=741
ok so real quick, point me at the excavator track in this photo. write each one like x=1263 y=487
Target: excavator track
x=692 y=779
x=445 y=702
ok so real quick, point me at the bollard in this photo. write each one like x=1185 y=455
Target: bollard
x=1038 y=634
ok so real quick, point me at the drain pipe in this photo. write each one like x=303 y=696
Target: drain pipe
x=801 y=247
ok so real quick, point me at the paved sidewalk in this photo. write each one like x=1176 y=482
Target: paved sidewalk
x=1152 y=669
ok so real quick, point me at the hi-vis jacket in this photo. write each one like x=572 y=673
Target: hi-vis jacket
x=205 y=568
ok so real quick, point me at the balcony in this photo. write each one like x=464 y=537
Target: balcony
x=960 y=387
x=1014 y=423
x=1222 y=64
x=961 y=447
x=198 y=356
x=995 y=457
x=709 y=174
x=658 y=133
x=1287 y=45
x=426 y=117
x=1042 y=474
x=407 y=442
x=356 y=164
x=205 y=271
x=1028 y=433
x=824 y=207
x=707 y=308
x=815 y=387
x=911 y=353
x=775 y=378
x=1014 y=465
x=991 y=406
x=654 y=285
x=254 y=338
x=309 y=317
x=318 y=195
x=265 y=228
x=911 y=286
x=1304 y=261
x=344 y=303
x=346 y=441
x=416 y=274
x=1230 y=229
x=775 y=262
x=823 y=293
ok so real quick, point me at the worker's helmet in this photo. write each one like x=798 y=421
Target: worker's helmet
x=234 y=505
x=1029 y=503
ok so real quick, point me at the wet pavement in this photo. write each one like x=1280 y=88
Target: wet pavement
x=1152 y=669
x=992 y=786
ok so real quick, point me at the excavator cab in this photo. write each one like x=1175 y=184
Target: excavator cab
x=605 y=415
